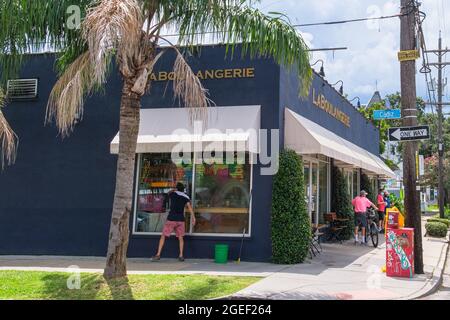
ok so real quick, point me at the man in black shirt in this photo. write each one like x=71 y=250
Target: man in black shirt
x=176 y=219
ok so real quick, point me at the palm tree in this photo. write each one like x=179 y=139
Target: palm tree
x=129 y=34
x=8 y=139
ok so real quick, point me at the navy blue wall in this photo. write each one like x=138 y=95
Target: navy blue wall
x=57 y=198
x=361 y=132
x=261 y=90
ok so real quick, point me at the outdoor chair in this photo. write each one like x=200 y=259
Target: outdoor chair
x=335 y=227
x=315 y=245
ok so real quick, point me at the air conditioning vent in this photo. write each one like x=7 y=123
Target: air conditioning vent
x=22 y=89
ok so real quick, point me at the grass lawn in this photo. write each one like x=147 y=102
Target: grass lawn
x=53 y=285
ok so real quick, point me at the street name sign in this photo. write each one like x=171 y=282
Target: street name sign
x=409 y=133
x=387 y=114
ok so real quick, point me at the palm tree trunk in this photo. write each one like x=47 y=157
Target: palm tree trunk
x=119 y=229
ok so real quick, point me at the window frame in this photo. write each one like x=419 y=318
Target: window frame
x=189 y=233
x=316 y=159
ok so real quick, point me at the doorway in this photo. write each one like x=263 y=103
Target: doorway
x=312 y=192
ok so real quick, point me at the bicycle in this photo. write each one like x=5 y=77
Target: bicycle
x=372 y=228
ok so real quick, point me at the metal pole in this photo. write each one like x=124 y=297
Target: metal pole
x=441 y=198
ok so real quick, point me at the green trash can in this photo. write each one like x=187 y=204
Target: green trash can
x=221 y=253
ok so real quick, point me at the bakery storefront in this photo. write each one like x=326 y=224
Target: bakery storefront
x=56 y=199
x=215 y=167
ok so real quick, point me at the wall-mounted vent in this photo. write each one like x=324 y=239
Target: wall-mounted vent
x=22 y=89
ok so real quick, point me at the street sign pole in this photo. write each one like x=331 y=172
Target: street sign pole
x=440 y=65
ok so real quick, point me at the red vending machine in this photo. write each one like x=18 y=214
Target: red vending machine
x=400 y=253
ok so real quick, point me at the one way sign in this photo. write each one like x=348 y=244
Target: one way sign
x=409 y=133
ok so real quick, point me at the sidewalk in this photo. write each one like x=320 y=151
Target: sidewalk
x=341 y=272
x=346 y=272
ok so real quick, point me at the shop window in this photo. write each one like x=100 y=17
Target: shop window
x=222 y=197
x=220 y=194
x=157 y=176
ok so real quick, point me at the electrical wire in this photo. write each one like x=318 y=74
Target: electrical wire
x=327 y=23
x=420 y=17
x=349 y=21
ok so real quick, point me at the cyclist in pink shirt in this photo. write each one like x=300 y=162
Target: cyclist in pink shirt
x=360 y=204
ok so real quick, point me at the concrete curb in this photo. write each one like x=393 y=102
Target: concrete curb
x=440 y=268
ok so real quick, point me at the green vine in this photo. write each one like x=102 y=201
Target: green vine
x=291 y=225
x=342 y=203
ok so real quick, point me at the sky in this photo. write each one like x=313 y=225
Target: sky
x=370 y=63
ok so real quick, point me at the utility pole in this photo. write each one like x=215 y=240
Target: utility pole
x=409 y=112
x=440 y=86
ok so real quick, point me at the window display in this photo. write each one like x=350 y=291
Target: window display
x=157 y=176
x=220 y=194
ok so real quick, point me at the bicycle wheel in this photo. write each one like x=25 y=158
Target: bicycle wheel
x=374 y=234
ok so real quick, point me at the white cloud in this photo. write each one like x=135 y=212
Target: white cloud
x=372 y=46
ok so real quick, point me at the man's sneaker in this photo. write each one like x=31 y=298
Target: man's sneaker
x=156 y=258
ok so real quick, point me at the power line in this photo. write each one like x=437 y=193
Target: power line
x=309 y=24
x=349 y=21
x=426 y=69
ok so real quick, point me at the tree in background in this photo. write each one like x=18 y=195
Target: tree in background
x=367 y=186
x=128 y=33
x=342 y=202
x=391 y=101
x=427 y=148
x=291 y=224
x=431 y=177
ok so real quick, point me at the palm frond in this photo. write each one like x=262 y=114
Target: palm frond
x=188 y=88
x=8 y=139
x=142 y=82
x=34 y=26
x=66 y=100
x=112 y=26
x=235 y=23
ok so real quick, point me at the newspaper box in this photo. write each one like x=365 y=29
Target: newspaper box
x=400 y=253
x=394 y=219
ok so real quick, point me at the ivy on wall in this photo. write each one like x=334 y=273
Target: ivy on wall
x=342 y=202
x=367 y=186
x=291 y=226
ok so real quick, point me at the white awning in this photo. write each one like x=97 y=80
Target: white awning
x=161 y=130
x=306 y=137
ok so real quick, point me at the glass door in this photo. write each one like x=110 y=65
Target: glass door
x=311 y=177
x=314 y=192
x=306 y=177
